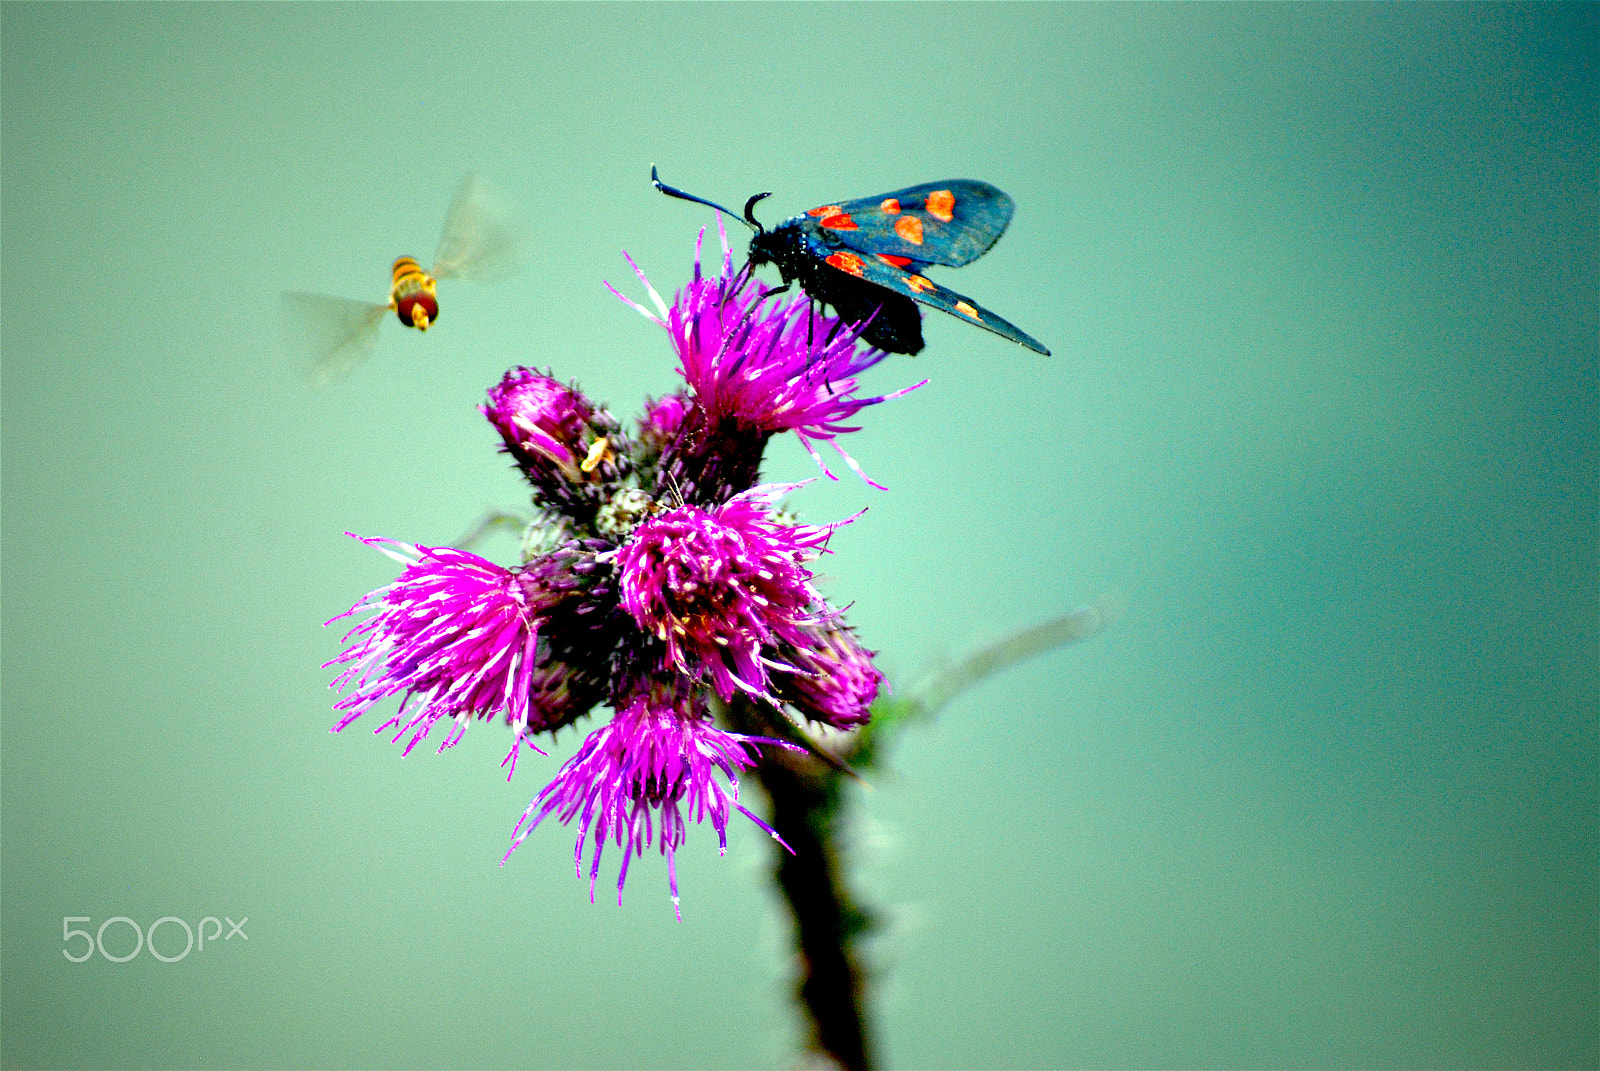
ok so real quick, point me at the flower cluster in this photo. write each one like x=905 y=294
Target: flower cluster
x=658 y=579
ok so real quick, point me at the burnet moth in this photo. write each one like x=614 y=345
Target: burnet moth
x=866 y=258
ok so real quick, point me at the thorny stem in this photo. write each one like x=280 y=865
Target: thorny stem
x=807 y=797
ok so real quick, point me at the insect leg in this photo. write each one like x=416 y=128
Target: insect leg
x=740 y=280
x=813 y=310
x=729 y=336
x=776 y=290
x=832 y=333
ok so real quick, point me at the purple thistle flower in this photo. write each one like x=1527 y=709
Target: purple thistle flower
x=764 y=367
x=836 y=682
x=541 y=419
x=565 y=445
x=662 y=420
x=715 y=586
x=641 y=778
x=457 y=636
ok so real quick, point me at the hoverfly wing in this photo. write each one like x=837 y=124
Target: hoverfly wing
x=327 y=337
x=952 y=223
x=483 y=239
x=903 y=275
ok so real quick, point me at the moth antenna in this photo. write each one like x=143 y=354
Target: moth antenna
x=749 y=211
x=673 y=192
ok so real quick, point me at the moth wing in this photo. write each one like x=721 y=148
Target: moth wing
x=952 y=223
x=908 y=279
x=483 y=239
x=328 y=337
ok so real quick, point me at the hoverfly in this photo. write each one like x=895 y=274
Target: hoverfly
x=482 y=240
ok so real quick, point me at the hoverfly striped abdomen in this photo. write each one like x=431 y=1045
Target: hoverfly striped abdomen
x=413 y=296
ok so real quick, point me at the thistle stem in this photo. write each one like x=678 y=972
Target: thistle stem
x=805 y=796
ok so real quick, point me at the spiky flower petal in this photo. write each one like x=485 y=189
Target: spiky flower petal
x=457 y=637
x=837 y=681
x=454 y=634
x=642 y=778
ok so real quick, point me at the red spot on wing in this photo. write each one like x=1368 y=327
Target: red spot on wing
x=894 y=261
x=825 y=210
x=909 y=228
x=839 y=222
x=891 y=205
x=846 y=262
x=919 y=284
x=966 y=310
x=941 y=205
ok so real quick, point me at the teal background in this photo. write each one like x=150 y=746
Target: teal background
x=1320 y=284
